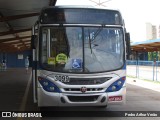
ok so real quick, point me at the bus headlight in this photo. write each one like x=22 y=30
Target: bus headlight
x=51 y=88
x=113 y=88
x=117 y=85
x=45 y=83
x=48 y=85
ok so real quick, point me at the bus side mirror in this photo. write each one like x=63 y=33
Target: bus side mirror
x=33 y=41
x=128 y=48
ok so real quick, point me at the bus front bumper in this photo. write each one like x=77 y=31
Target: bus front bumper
x=48 y=99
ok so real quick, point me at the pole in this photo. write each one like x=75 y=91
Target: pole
x=156 y=64
x=153 y=70
x=137 y=71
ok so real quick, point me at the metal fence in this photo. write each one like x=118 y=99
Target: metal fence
x=149 y=70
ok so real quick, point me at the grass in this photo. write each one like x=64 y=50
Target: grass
x=157 y=82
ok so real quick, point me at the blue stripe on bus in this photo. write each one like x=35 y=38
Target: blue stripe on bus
x=124 y=66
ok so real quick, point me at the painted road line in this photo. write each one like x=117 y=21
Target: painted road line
x=24 y=100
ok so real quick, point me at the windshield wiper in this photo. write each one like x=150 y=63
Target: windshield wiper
x=97 y=33
x=93 y=38
x=90 y=41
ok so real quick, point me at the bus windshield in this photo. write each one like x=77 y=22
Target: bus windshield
x=81 y=49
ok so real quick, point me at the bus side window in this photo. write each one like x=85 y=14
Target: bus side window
x=44 y=46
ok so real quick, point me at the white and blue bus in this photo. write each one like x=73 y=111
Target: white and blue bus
x=79 y=57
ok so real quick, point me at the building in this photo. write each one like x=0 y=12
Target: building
x=151 y=31
x=159 y=31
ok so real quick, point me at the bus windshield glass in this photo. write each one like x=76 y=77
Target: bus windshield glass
x=81 y=49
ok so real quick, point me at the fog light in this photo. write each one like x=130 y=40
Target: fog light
x=103 y=99
x=62 y=100
x=113 y=88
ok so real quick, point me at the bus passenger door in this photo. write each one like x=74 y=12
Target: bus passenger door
x=34 y=67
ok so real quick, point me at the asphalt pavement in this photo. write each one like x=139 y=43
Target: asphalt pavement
x=16 y=95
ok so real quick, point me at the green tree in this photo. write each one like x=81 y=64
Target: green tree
x=152 y=55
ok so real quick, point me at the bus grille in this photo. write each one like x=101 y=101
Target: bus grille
x=87 y=81
x=83 y=98
x=79 y=90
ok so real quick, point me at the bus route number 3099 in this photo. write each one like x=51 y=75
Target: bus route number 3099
x=62 y=78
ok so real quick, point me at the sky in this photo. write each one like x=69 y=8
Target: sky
x=136 y=13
